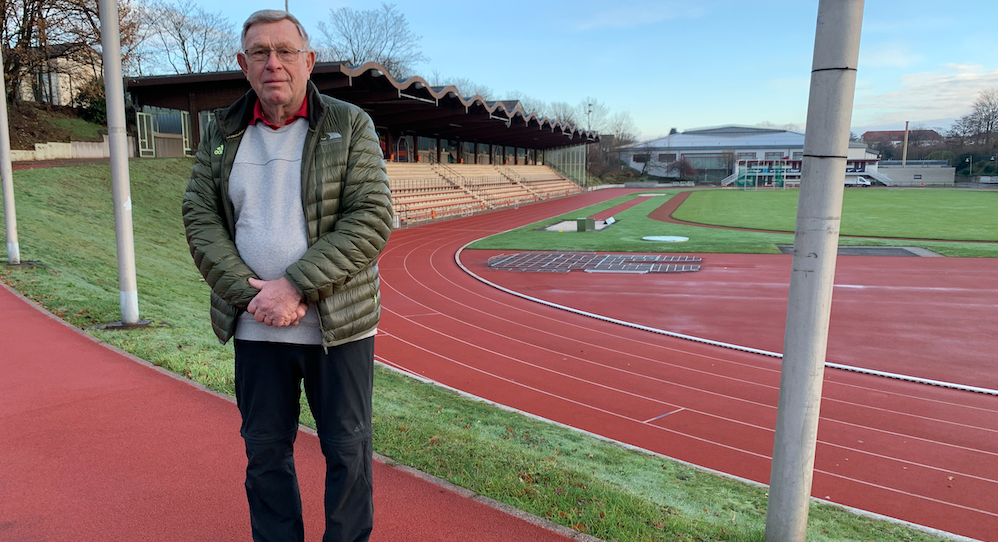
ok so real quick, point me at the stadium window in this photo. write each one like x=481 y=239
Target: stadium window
x=774 y=155
x=745 y=156
x=798 y=155
x=667 y=158
x=641 y=158
x=918 y=177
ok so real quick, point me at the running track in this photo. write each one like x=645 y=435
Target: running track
x=923 y=454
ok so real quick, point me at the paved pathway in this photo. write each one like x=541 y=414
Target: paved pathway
x=98 y=445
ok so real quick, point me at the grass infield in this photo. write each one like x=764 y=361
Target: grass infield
x=65 y=221
x=912 y=217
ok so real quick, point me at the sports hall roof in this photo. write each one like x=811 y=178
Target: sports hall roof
x=729 y=137
x=409 y=107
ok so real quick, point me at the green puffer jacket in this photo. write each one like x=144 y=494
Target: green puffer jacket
x=347 y=207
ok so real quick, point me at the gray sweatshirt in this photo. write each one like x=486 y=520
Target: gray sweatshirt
x=265 y=189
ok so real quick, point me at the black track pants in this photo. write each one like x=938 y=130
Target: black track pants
x=338 y=386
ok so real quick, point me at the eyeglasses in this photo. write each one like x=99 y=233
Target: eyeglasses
x=284 y=55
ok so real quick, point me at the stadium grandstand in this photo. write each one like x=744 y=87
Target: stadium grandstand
x=448 y=154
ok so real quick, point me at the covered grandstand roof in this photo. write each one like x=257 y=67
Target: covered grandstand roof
x=411 y=106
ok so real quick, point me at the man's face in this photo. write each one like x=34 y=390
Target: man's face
x=276 y=82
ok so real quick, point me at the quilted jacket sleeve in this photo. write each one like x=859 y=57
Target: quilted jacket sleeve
x=352 y=241
x=207 y=231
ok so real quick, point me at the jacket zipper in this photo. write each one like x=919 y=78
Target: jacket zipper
x=307 y=176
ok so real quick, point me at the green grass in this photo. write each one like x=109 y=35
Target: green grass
x=932 y=214
x=65 y=221
x=79 y=129
x=965 y=215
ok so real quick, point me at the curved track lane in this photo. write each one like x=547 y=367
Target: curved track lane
x=918 y=453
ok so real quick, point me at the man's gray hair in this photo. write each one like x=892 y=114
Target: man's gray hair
x=273 y=16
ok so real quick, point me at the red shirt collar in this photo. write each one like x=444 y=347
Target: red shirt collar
x=258 y=115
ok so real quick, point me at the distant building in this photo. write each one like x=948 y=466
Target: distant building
x=738 y=154
x=61 y=71
x=896 y=137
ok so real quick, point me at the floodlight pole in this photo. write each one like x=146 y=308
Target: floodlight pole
x=114 y=93
x=904 y=151
x=826 y=145
x=7 y=174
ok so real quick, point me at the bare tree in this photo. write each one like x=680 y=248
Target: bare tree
x=563 y=112
x=377 y=35
x=190 y=39
x=529 y=103
x=681 y=168
x=985 y=113
x=467 y=87
x=593 y=114
x=435 y=79
x=83 y=24
x=962 y=129
x=621 y=126
x=37 y=33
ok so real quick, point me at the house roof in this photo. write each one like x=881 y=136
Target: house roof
x=898 y=135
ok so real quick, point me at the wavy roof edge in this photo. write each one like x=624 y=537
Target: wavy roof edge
x=451 y=91
x=412 y=87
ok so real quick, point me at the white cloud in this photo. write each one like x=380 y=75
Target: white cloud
x=947 y=93
x=887 y=55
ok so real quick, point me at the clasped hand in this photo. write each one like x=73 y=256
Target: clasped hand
x=277 y=304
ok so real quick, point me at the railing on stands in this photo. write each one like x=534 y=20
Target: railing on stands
x=508 y=172
x=876 y=175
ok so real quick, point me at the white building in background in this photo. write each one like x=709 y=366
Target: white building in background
x=57 y=81
x=741 y=155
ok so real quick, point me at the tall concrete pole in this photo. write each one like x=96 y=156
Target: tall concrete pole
x=826 y=144
x=7 y=174
x=904 y=152
x=114 y=91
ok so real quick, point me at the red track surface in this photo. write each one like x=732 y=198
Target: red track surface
x=923 y=454
x=618 y=208
x=891 y=314
x=95 y=446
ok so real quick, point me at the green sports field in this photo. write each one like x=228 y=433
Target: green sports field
x=968 y=215
x=951 y=222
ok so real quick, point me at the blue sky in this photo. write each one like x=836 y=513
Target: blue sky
x=687 y=64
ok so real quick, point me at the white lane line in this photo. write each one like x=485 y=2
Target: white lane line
x=663 y=415
x=907 y=378
x=631 y=446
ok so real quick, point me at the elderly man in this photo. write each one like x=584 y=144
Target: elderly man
x=286 y=212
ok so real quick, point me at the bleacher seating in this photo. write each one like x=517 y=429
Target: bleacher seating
x=419 y=194
x=496 y=189
x=422 y=191
x=545 y=181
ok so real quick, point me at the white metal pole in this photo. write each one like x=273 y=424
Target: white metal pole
x=114 y=93
x=7 y=174
x=826 y=145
